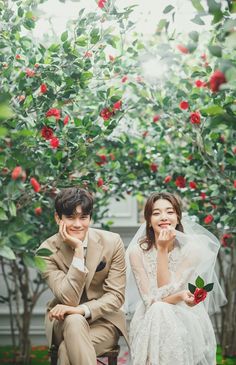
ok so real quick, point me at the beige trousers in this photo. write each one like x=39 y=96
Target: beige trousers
x=80 y=342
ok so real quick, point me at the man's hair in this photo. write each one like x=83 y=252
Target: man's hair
x=69 y=198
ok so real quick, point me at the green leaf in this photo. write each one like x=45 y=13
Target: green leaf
x=208 y=287
x=191 y=288
x=194 y=36
x=44 y=252
x=3 y=216
x=64 y=36
x=215 y=50
x=29 y=260
x=168 y=9
x=199 y=282
x=12 y=209
x=7 y=252
x=197 y=4
x=198 y=20
x=23 y=237
x=213 y=110
x=40 y=263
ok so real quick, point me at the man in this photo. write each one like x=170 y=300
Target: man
x=86 y=273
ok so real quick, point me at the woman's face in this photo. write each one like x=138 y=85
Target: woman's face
x=163 y=216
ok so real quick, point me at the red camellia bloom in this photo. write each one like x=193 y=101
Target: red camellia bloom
x=106 y=113
x=199 y=295
x=29 y=72
x=124 y=79
x=235 y=183
x=100 y=182
x=195 y=118
x=192 y=185
x=226 y=239
x=88 y=54
x=103 y=158
x=43 y=88
x=53 y=112
x=182 y=48
x=117 y=105
x=38 y=211
x=208 y=219
x=47 y=133
x=101 y=3
x=18 y=57
x=184 y=105
x=234 y=150
x=203 y=195
x=54 y=142
x=35 y=184
x=199 y=83
x=217 y=79
x=167 y=179
x=17 y=173
x=180 y=182
x=203 y=56
x=153 y=167
x=156 y=118
x=66 y=120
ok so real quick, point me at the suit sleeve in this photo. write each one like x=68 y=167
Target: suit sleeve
x=66 y=287
x=114 y=286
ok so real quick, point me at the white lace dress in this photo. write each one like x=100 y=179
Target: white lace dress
x=162 y=333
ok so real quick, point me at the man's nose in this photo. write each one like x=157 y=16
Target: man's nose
x=77 y=222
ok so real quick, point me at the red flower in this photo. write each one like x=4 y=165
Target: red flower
x=36 y=65
x=180 y=182
x=184 y=105
x=203 y=195
x=111 y=58
x=226 y=239
x=53 y=112
x=192 y=185
x=199 y=83
x=208 y=219
x=195 y=118
x=217 y=79
x=112 y=156
x=101 y=3
x=35 y=184
x=21 y=98
x=29 y=72
x=145 y=134
x=54 y=142
x=47 y=133
x=117 y=105
x=124 y=79
x=153 y=167
x=38 y=211
x=18 y=57
x=203 y=57
x=156 y=118
x=106 y=113
x=88 y=54
x=182 y=48
x=235 y=183
x=100 y=182
x=167 y=179
x=43 y=88
x=199 y=295
x=66 y=120
x=17 y=173
x=103 y=158
x=234 y=150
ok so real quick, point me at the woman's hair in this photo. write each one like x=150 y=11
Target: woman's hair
x=69 y=198
x=147 y=242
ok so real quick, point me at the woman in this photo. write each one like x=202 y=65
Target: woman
x=168 y=328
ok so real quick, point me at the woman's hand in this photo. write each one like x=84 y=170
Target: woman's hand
x=60 y=311
x=166 y=236
x=73 y=242
x=188 y=298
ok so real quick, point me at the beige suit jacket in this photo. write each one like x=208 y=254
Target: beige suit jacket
x=100 y=288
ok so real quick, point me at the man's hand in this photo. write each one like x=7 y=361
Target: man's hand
x=166 y=236
x=188 y=298
x=73 y=242
x=60 y=311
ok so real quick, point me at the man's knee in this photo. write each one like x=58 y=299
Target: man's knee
x=75 y=322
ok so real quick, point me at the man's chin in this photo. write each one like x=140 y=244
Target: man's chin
x=78 y=235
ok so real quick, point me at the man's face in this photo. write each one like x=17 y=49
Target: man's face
x=77 y=224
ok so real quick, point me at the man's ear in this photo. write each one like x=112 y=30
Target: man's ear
x=57 y=218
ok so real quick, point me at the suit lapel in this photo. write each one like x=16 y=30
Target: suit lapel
x=93 y=256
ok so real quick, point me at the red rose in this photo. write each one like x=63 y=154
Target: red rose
x=38 y=211
x=29 y=72
x=117 y=105
x=101 y=3
x=47 y=133
x=226 y=238
x=203 y=195
x=192 y=185
x=53 y=112
x=100 y=182
x=153 y=167
x=180 y=182
x=54 y=142
x=124 y=79
x=195 y=118
x=167 y=179
x=199 y=295
x=182 y=48
x=184 y=105
x=156 y=118
x=106 y=113
x=66 y=120
x=17 y=173
x=199 y=83
x=35 y=184
x=217 y=79
x=208 y=219
x=43 y=88
x=18 y=57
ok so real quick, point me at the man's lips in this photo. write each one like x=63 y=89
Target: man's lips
x=164 y=224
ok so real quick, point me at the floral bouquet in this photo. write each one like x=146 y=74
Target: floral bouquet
x=200 y=290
